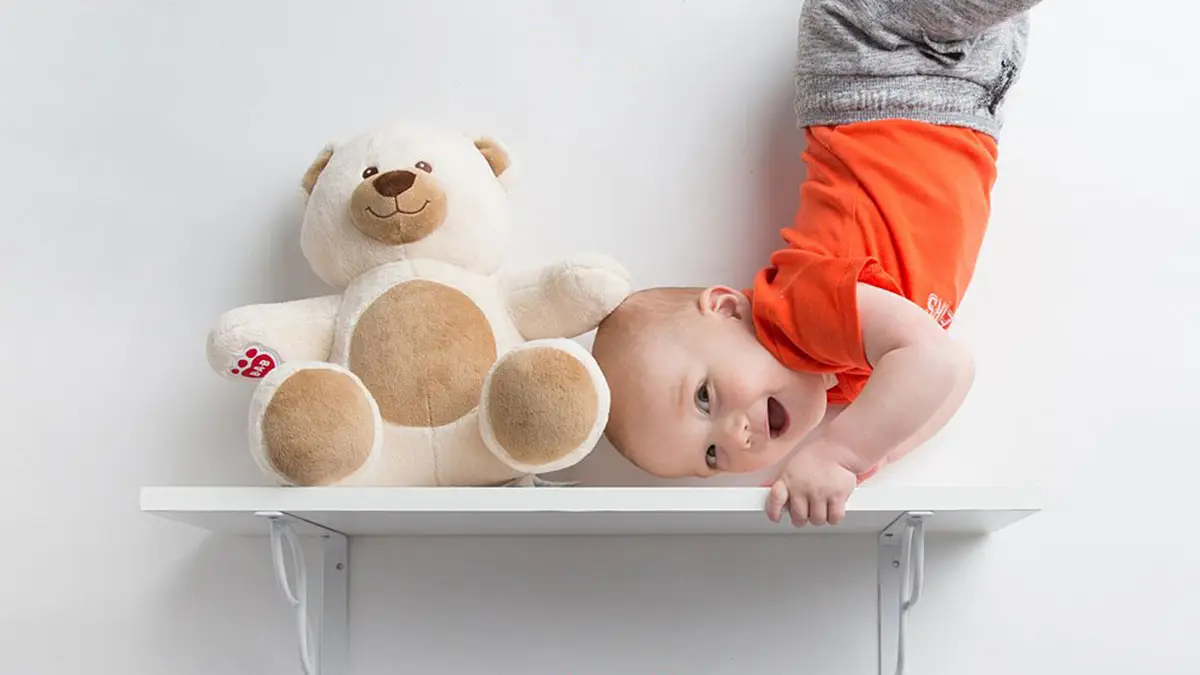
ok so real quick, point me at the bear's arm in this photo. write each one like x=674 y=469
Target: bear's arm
x=300 y=330
x=568 y=298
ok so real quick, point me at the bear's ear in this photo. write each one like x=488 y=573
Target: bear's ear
x=314 y=171
x=498 y=158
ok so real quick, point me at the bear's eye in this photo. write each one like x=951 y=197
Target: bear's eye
x=425 y=166
x=370 y=171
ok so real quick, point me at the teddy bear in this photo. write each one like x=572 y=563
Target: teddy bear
x=431 y=365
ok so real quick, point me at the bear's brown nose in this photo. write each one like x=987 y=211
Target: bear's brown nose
x=394 y=183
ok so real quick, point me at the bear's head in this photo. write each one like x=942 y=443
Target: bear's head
x=406 y=191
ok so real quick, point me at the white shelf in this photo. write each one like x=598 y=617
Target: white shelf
x=573 y=510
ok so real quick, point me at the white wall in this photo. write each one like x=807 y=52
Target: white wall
x=148 y=154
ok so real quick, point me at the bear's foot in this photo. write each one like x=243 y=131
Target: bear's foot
x=544 y=406
x=313 y=424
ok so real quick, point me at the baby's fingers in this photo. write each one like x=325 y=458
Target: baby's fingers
x=777 y=499
x=837 y=510
x=817 y=512
x=799 y=510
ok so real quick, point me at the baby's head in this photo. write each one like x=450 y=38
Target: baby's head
x=694 y=393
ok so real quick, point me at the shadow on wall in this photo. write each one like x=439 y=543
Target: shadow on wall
x=274 y=270
x=598 y=605
x=778 y=182
x=200 y=610
x=289 y=276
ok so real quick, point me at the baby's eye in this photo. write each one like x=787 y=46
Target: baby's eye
x=702 y=396
x=710 y=457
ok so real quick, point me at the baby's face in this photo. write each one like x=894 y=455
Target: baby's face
x=712 y=400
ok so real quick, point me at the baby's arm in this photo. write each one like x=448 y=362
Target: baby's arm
x=919 y=378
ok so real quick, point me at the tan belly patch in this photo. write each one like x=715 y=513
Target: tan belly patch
x=423 y=350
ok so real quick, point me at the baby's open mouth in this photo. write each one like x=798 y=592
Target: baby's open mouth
x=777 y=418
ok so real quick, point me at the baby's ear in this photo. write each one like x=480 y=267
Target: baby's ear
x=499 y=158
x=725 y=301
x=319 y=163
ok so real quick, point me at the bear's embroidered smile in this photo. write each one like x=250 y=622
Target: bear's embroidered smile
x=401 y=206
x=398 y=210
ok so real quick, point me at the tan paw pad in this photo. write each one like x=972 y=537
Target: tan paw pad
x=542 y=405
x=318 y=428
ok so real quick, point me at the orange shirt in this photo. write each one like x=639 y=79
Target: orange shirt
x=898 y=204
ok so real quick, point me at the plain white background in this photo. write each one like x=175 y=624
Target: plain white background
x=149 y=153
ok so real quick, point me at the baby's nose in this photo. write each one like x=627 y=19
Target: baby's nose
x=736 y=433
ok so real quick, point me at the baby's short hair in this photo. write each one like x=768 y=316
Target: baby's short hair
x=619 y=342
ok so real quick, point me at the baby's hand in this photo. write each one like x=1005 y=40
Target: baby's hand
x=813 y=487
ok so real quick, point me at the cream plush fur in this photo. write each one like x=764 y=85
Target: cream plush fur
x=467 y=180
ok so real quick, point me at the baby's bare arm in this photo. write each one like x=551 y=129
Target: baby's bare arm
x=920 y=377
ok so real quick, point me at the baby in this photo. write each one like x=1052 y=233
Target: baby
x=899 y=101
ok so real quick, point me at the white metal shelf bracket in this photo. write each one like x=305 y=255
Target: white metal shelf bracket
x=325 y=650
x=901 y=576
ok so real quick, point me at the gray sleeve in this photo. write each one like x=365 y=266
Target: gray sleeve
x=946 y=20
